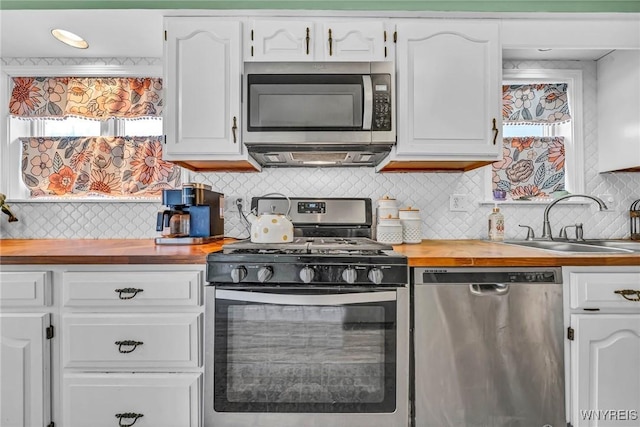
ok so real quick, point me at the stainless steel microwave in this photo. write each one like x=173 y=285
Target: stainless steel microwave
x=311 y=113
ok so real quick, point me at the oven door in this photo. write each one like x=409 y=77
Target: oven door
x=285 y=357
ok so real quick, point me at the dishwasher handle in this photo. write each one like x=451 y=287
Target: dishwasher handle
x=489 y=289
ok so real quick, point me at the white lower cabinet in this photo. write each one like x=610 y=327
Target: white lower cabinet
x=25 y=395
x=131 y=350
x=605 y=346
x=146 y=400
x=25 y=348
x=101 y=345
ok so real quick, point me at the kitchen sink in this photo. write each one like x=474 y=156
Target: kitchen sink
x=591 y=246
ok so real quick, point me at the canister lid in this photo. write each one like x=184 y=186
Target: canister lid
x=409 y=208
x=386 y=197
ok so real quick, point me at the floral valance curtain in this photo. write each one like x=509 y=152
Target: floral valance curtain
x=88 y=97
x=535 y=104
x=99 y=166
x=530 y=167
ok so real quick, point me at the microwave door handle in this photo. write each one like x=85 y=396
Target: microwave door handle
x=368 y=102
x=288 y=299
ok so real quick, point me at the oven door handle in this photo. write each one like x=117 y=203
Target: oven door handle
x=288 y=299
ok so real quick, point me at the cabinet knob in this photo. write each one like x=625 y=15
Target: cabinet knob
x=308 y=39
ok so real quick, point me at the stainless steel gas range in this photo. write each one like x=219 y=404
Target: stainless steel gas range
x=309 y=333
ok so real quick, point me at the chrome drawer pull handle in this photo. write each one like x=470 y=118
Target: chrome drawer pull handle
x=628 y=294
x=128 y=415
x=128 y=343
x=133 y=291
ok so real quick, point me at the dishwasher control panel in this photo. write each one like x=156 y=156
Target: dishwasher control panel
x=488 y=275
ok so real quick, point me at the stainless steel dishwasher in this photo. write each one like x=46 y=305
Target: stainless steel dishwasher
x=488 y=348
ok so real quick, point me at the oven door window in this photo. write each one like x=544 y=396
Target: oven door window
x=305 y=356
x=305 y=103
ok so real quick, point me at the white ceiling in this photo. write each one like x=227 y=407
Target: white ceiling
x=136 y=33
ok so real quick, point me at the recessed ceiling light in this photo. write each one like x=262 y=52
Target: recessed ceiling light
x=70 y=38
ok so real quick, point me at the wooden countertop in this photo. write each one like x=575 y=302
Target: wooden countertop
x=103 y=251
x=480 y=253
x=429 y=253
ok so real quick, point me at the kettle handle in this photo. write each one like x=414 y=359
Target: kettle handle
x=280 y=194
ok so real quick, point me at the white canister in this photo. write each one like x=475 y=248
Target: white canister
x=387 y=207
x=411 y=225
x=389 y=230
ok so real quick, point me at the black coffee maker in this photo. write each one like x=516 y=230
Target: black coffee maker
x=195 y=215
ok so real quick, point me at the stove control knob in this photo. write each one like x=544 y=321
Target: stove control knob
x=238 y=274
x=306 y=274
x=349 y=275
x=375 y=275
x=264 y=274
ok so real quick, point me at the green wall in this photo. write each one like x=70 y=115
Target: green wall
x=397 y=5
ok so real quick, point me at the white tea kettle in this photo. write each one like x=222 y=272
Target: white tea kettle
x=271 y=227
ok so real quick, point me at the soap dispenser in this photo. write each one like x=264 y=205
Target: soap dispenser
x=496 y=224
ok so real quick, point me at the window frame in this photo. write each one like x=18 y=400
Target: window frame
x=574 y=144
x=10 y=151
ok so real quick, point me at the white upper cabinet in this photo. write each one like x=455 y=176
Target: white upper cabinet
x=202 y=81
x=308 y=40
x=449 y=76
x=618 y=97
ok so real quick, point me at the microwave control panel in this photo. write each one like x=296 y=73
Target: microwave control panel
x=381 y=102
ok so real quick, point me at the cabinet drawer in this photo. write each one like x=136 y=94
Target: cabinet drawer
x=132 y=288
x=128 y=341
x=163 y=400
x=25 y=288
x=605 y=289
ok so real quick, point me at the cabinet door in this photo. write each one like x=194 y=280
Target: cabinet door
x=605 y=370
x=618 y=113
x=449 y=81
x=25 y=395
x=202 y=79
x=281 y=41
x=354 y=41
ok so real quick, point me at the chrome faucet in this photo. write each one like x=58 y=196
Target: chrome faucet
x=546 y=226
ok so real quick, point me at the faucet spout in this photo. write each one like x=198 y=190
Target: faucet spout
x=546 y=225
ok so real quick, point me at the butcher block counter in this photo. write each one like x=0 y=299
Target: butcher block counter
x=429 y=253
x=103 y=251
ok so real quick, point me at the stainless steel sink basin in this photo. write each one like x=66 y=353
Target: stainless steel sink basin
x=582 y=247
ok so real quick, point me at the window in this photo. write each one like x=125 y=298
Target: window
x=561 y=143
x=43 y=148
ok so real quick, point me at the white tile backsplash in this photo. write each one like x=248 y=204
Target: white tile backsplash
x=427 y=191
